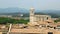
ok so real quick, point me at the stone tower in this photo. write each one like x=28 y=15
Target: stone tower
x=32 y=23
x=32 y=15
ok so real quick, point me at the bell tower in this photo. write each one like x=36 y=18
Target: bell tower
x=32 y=15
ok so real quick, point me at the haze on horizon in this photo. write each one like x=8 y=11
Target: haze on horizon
x=27 y=4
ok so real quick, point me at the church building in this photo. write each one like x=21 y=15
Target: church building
x=36 y=19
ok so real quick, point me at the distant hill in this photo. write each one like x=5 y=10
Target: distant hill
x=16 y=11
x=12 y=10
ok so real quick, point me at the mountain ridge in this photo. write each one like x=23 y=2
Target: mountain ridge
x=17 y=11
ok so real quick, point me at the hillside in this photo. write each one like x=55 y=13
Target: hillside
x=16 y=11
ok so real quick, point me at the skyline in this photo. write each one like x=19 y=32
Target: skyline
x=27 y=4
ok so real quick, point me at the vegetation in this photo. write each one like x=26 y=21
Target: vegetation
x=57 y=20
x=4 y=20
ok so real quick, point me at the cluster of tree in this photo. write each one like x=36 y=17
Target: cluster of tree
x=4 y=20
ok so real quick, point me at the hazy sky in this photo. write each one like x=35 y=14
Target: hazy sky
x=37 y=4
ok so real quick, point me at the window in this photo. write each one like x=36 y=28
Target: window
x=54 y=27
x=47 y=18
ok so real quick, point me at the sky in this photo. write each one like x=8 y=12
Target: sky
x=27 y=4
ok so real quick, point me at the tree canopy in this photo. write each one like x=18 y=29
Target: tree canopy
x=4 y=20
